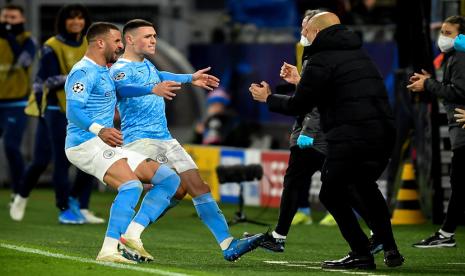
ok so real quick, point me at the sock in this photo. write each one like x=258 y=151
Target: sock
x=122 y=209
x=212 y=217
x=165 y=182
x=134 y=230
x=110 y=244
x=277 y=236
x=305 y=210
x=445 y=234
x=225 y=244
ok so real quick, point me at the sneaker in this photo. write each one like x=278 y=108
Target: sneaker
x=73 y=204
x=135 y=247
x=18 y=207
x=436 y=240
x=392 y=258
x=12 y=198
x=301 y=218
x=375 y=245
x=90 y=217
x=114 y=257
x=69 y=217
x=239 y=247
x=328 y=220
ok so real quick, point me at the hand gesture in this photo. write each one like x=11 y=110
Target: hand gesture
x=460 y=116
x=289 y=73
x=203 y=80
x=417 y=81
x=260 y=92
x=111 y=136
x=165 y=89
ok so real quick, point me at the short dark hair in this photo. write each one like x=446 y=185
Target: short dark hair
x=136 y=23
x=71 y=11
x=457 y=19
x=14 y=7
x=99 y=28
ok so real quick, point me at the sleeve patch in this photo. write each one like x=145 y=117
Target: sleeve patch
x=78 y=87
x=120 y=76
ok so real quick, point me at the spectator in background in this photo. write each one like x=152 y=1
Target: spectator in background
x=47 y=102
x=222 y=125
x=17 y=50
x=452 y=91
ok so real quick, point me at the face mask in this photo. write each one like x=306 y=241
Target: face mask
x=304 y=41
x=445 y=43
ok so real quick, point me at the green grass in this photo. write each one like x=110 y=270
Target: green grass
x=180 y=243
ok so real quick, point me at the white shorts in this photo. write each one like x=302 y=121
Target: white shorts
x=95 y=157
x=168 y=152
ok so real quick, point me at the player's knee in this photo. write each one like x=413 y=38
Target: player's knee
x=166 y=177
x=132 y=190
x=180 y=192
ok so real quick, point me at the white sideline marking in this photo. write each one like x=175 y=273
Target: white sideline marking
x=90 y=261
x=302 y=264
x=456 y=263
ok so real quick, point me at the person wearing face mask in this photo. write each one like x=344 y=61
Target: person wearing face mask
x=355 y=116
x=452 y=92
x=47 y=102
x=18 y=50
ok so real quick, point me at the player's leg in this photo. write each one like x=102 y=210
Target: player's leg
x=165 y=182
x=206 y=206
x=109 y=165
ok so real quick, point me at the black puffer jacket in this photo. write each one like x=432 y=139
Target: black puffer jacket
x=345 y=85
x=452 y=91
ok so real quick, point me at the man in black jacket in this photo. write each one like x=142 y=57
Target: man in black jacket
x=452 y=91
x=346 y=87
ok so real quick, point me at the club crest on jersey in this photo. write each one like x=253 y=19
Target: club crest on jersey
x=120 y=76
x=78 y=87
x=108 y=154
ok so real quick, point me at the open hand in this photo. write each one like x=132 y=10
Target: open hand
x=203 y=80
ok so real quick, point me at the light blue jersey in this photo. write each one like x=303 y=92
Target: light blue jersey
x=90 y=98
x=144 y=116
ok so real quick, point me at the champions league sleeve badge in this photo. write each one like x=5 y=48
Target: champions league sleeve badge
x=120 y=76
x=78 y=87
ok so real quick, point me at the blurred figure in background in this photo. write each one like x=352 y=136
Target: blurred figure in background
x=47 y=102
x=18 y=50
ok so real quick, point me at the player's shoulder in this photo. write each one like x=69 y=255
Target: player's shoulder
x=120 y=69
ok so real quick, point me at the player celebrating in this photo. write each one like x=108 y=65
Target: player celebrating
x=92 y=142
x=144 y=125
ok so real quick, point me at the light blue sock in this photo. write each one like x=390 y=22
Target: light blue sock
x=305 y=210
x=122 y=209
x=165 y=183
x=211 y=216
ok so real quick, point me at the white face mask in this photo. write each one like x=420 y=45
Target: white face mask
x=445 y=43
x=304 y=41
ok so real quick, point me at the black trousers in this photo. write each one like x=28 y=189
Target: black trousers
x=456 y=208
x=303 y=163
x=349 y=182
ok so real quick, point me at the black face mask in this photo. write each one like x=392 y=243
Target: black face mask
x=15 y=29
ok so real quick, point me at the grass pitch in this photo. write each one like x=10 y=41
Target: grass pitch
x=181 y=245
